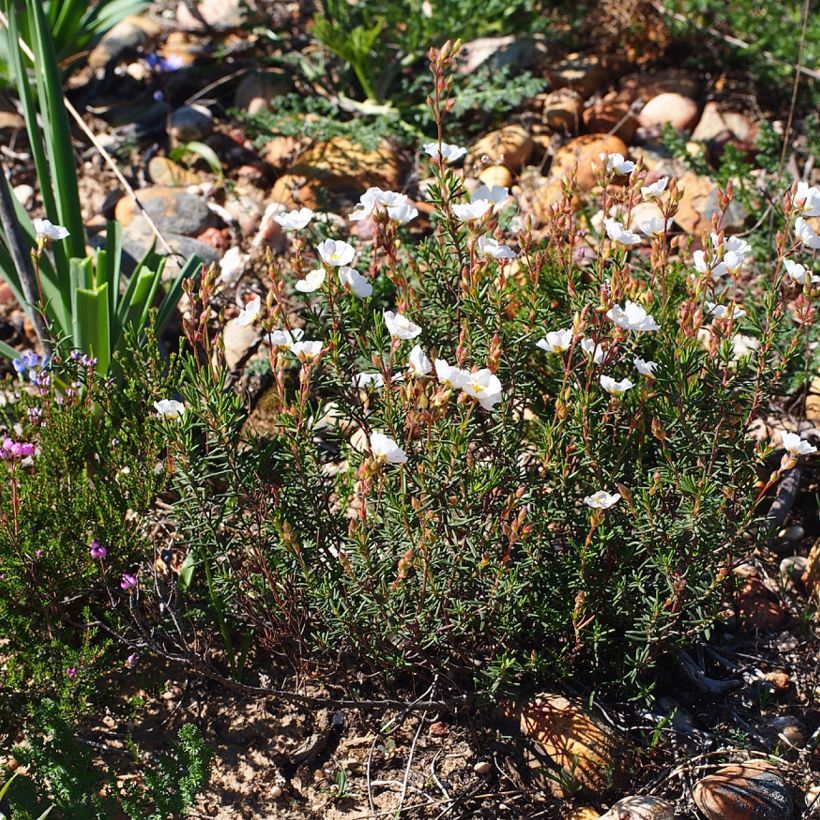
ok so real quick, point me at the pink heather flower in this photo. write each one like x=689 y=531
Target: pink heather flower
x=128 y=581
x=15 y=449
x=71 y=672
x=98 y=550
x=132 y=660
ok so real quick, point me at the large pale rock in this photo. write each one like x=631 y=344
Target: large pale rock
x=257 y=91
x=670 y=109
x=561 y=109
x=611 y=115
x=239 y=341
x=510 y=146
x=714 y=122
x=172 y=209
x=641 y=807
x=581 y=72
x=339 y=163
x=749 y=791
x=696 y=191
x=585 y=153
x=495 y=53
x=585 y=751
x=169 y=174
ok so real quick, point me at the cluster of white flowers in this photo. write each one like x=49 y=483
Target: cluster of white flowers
x=800 y=273
x=482 y=385
x=399 y=326
x=729 y=255
x=375 y=201
x=482 y=200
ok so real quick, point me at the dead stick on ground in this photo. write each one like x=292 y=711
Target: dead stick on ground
x=108 y=159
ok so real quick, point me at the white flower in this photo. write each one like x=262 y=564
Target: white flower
x=286 y=338
x=336 y=252
x=632 y=317
x=306 y=350
x=448 y=375
x=169 y=409
x=231 y=266
x=375 y=201
x=482 y=385
x=704 y=265
x=295 y=220
x=616 y=388
x=644 y=367
x=364 y=380
x=418 y=362
x=399 y=326
x=45 y=229
x=800 y=273
x=312 y=281
x=556 y=341
x=353 y=281
x=617 y=163
x=602 y=500
x=807 y=200
x=250 y=313
x=467 y=211
x=722 y=311
x=805 y=234
x=735 y=251
x=654 y=190
x=497 y=195
x=385 y=449
x=618 y=233
x=449 y=153
x=591 y=349
x=403 y=213
x=655 y=226
x=487 y=246
x=795 y=446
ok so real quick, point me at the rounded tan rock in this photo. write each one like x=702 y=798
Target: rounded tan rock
x=669 y=108
x=585 y=152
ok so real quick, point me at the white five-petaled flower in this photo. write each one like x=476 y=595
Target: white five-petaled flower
x=306 y=350
x=231 y=266
x=365 y=380
x=448 y=375
x=386 y=449
x=711 y=265
x=418 y=362
x=399 y=326
x=617 y=388
x=46 y=229
x=487 y=246
x=655 y=226
x=591 y=349
x=645 y=367
x=724 y=311
x=602 y=500
x=449 y=153
x=169 y=408
x=496 y=195
x=654 y=190
x=735 y=251
x=295 y=220
x=353 y=281
x=617 y=163
x=632 y=317
x=468 y=211
x=482 y=385
x=250 y=313
x=312 y=281
x=807 y=199
x=796 y=446
x=336 y=252
x=806 y=234
x=374 y=200
x=286 y=338
x=618 y=233
x=800 y=273
x=556 y=341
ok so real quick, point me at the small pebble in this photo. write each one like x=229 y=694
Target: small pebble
x=483 y=768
